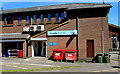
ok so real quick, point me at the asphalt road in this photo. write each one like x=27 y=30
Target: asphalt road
x=113 y=66
x=15 y=66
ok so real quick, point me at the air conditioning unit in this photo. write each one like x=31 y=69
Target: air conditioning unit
x=40 y=27
x=33 y=27
x=26 y=29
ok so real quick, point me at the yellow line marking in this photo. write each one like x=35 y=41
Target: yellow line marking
x=48 y=29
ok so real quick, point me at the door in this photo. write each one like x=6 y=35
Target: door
x=42 y=48
x=90 y=48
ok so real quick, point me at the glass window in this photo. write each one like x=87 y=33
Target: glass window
x=27 y=19
x=34 y=18
x=19 y=19
x=49 y=17
x=5 y=20
x=41 y=18
x=62 y=16
x=57 y=16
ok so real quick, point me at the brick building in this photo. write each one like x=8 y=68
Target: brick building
x=39 y=30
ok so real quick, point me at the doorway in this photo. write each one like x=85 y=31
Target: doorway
x=90 y=48
x=40 y=48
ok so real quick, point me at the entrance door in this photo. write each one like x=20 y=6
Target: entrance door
x=42 y=48
x=90 y=48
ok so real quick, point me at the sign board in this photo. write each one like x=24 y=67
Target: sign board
x=58 y=33
x=52 y=44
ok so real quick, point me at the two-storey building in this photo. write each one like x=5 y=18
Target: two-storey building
x=39 y=30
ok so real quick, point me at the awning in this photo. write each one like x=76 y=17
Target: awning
x=12 y=40
x=13 y=36
x=38 y=39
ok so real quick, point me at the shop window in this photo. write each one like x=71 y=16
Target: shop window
x=9 y=20
x=62 y=16
x=41 y=18
x=27 y=19
x=57 y=16
x=49 y=17
x=19 y=19
x=34 y=18
x=5 y=20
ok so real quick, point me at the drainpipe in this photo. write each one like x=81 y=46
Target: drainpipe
x=77 y=38
x=102 y=35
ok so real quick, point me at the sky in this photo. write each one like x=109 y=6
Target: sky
x=11 y=4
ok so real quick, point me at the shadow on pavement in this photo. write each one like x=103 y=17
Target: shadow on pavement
x=116 y=66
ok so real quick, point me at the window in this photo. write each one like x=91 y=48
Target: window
x=41 y=18
x=34 y=18
x=27 y=19
x=62 y=16
x=19 y=19
x=49 y=17
x=5 y=20
x=57 y=16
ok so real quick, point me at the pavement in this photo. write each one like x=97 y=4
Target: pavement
x=40 y=62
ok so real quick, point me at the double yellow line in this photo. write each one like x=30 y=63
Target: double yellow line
x=49 y=29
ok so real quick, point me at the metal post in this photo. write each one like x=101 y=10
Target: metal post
x=102 y=35
x=77 y=38
x=103 y=42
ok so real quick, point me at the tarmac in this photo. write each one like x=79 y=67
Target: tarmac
x=40 y=62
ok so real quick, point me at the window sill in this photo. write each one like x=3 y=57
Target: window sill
x=56 y=22
x=27 y=24
x=48 y=22
x=8 y=25
x=42 y=23
x=34 y=23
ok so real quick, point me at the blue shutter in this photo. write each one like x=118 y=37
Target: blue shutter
x=41 y=18
x=49 y=17
x=34 y=18
x=62 y=16
x=57 y=16
x=5 y=20
x=27 y=19
x=19 y=19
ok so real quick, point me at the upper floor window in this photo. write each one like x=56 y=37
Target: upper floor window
x=5 y=22
x=34 y=18
x=19 y=19
x=49 y=17
x=62 y=16
x=57 y=17
x=27 y=19
x=41 y=18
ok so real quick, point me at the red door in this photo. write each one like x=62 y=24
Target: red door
x=90 y=48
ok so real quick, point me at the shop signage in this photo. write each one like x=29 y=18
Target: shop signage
x=52 y=44
x=67 y=32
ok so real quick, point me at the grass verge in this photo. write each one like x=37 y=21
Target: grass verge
x=39 y=69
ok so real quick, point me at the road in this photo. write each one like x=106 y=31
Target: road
x=113 y=66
